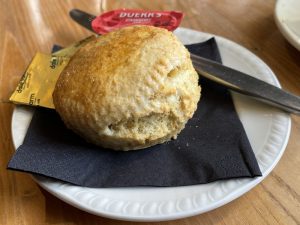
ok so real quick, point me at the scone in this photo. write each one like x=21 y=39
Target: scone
x=129 y=89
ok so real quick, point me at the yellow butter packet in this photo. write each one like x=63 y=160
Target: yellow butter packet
x=37 y=84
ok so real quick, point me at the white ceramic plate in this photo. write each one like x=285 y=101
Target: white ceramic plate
x=287 y=17
x=268 y=130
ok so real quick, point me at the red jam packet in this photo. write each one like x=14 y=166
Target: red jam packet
x=116 y=19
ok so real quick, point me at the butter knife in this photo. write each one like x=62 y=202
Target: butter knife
x=231 y=78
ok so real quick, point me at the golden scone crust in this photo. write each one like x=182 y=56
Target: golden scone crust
x=129 y=89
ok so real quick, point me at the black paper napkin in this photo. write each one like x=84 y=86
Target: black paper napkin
x=213 y=146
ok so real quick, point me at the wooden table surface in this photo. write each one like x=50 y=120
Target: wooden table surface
x=33 y=25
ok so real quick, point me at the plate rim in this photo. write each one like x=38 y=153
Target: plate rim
x=290 y=36
x=165 y=217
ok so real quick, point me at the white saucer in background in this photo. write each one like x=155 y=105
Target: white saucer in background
x=287 y=17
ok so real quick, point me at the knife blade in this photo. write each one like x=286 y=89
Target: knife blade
x=231 y=78
x=246 y=84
